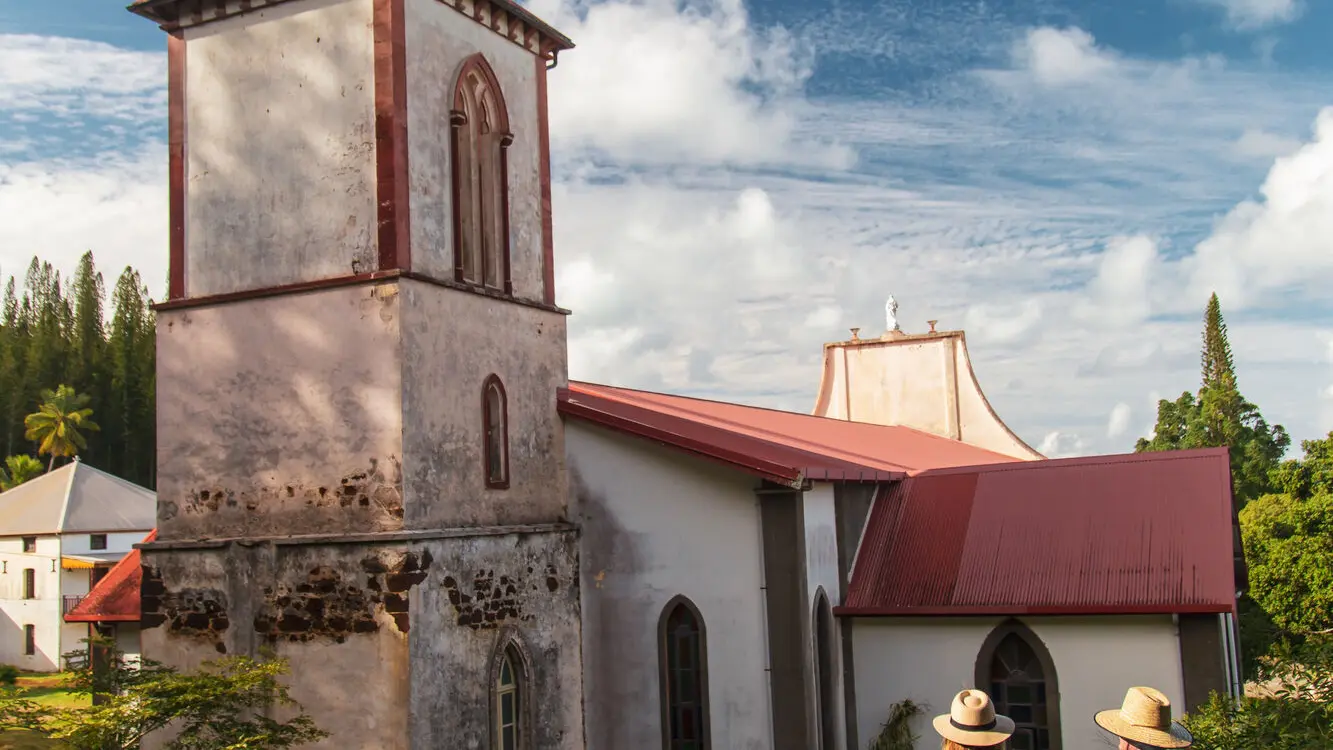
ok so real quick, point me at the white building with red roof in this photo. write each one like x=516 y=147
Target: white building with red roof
x=371 y=460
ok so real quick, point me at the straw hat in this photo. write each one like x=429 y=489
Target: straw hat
x=1145 y=717
x=972 y=721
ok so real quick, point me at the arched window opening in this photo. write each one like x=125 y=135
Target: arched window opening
x=1017 y=671
x=824 y=660
x=479 y=143
x=495 y=418
x=509 y=703
x=684 y=667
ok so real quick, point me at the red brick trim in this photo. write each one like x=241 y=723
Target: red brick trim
x=391 y=170
x=544 y=150
x=339 y=281
x=176 y=153
x=276 y=291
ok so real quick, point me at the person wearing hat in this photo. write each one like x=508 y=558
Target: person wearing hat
x=973 y=723
x=1143 y=722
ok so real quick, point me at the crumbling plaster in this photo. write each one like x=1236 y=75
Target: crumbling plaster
x=281 y=415
x=439 y=39
x=280 y=167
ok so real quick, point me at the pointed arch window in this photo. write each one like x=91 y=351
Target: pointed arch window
x=1016 y=669
x=495 y=423
x=479 y=145
x=824 y=661
x=683 y=656
x=509 y=703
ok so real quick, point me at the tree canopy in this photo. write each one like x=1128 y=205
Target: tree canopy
x=54 y=334
x=1218 y=415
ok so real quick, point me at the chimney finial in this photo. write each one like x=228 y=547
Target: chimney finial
x=932 y=325
x=856 y=334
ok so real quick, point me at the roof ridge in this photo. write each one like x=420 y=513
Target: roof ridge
x=769 y=437
x=1102 y=460
x=73 y=467
x=868 y=425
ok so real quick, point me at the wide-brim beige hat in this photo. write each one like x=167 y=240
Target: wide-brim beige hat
x=1145 y=716
x=972 y=721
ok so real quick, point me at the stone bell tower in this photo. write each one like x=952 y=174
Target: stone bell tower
x=360 y=461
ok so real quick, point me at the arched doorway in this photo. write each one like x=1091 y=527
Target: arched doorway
x=1017 y=671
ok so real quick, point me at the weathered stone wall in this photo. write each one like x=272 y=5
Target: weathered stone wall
x=453 y=340
x=280 y=173
x=281 y=416
x=439 y=39
x=373 y=629
x=483 y=593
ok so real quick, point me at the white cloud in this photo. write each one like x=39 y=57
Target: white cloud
x=654 y=81
x=1284 y=239
x=1120 y=294
x=1258 y=143
x=116 y=208
x=1057 y=444
x=75 y=77
x=1062 y=56
x=1253 y=14
x=1118 y=422
x=1004 y=323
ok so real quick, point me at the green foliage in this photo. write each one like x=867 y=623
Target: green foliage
x=48 y=338
x=1220 y=416
x=896 y=731
x=59 y=423
x=9 y=675
x=1296 y=713
x=1288 y=541
x=225 y=705
x=17 y=470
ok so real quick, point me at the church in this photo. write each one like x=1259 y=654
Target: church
x=372 y=461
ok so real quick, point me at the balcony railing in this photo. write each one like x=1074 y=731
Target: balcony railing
x=70 y=603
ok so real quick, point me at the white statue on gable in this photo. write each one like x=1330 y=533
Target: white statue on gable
x=891 y=314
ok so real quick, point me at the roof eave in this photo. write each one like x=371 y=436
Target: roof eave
x=1052 y=610
x=75 y=617
x=788 y=476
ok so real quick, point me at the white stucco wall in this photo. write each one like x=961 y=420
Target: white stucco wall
x=119 y=542
x=821 y=568
x=657 y=524
x=439 y=39
x=43 y=612
x=924 y=382
x=930 y=659
x=280 y=169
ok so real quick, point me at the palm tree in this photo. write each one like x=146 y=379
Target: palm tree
x=17 y=470
x=57 y=424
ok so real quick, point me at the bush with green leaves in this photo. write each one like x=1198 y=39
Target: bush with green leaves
x=1296 y=713
x=225 y=705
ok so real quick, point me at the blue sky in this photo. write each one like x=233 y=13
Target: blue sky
x=737 y=183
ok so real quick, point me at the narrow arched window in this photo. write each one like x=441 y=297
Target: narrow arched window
x=479 y=143
x=495 y=423
x=1016 y=669
x=824 y=660
x=683 y=656
x=509 y=703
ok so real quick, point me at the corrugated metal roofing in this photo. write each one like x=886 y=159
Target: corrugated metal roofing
x=76 y=499
x=1141 y=533
x=778 y=445
x=115 y=598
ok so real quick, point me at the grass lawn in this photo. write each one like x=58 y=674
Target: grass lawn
x=48 y=689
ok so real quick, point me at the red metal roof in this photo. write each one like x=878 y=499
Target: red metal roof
x=1142 y=533
x=781 y=446
x=115 y=598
